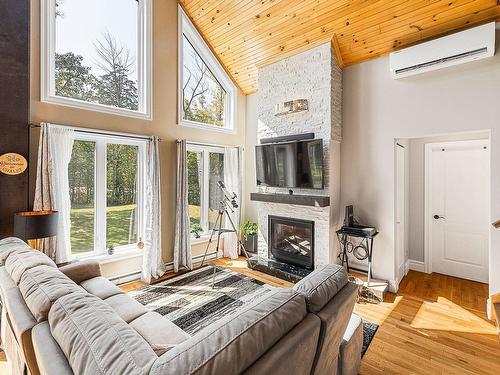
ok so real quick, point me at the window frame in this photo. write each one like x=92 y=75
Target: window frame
x=144 y=64
x=205 y=182
x=187 y=29
x=100 y=191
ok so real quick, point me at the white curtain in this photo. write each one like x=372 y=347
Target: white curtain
x=152 y=262
x=182 y=243
x=52 y=186
x=232 y=180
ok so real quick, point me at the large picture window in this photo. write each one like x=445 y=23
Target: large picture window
x=205 y=169
x=96 y=55
x=106 y=192
x=206 y=93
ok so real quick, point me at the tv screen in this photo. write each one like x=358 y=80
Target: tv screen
x=290 y=164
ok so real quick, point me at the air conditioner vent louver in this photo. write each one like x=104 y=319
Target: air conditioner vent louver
x=443 y=60
x=465 y=46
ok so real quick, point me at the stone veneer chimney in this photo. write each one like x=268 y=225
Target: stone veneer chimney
x=313 y=75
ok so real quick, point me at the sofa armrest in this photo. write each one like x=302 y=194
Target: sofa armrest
x=81 y=271
x=321 y=286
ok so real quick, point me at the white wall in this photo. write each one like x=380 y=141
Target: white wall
x=417 y=187
x=378 y=109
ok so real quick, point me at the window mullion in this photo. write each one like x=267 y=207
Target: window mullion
x=100 y=198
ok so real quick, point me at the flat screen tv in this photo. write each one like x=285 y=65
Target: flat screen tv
x=290 y=164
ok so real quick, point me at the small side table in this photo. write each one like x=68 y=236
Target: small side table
x=362 y=250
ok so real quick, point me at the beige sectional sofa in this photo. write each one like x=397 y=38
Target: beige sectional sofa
x=71 y=320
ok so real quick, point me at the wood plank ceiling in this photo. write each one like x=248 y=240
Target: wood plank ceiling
x=246 y=34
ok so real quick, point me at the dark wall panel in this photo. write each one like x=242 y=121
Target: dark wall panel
x=14 y=105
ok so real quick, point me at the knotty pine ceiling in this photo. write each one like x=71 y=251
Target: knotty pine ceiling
x=247 y=34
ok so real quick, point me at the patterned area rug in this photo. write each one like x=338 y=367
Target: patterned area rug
x=369 y=330
x=190 y=302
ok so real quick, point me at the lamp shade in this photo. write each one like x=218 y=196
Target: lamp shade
x=33 y=225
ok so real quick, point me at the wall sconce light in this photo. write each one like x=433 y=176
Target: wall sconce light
x=292 y=106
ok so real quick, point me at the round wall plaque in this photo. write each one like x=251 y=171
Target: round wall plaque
x=12 y=163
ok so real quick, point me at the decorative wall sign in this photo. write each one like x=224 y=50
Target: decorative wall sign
x=12 y=163
x=292 y=106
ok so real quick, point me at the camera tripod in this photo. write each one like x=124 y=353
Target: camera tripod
x=227 y=204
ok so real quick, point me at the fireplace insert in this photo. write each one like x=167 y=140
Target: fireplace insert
x=291 y=241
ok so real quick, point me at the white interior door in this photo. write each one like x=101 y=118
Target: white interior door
x=458 y=195
x=400 y=212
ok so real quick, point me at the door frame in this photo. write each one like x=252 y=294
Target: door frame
x=427 y=221
x=398 y=145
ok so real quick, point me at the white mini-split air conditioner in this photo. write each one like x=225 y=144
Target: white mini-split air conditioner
x=465 y=46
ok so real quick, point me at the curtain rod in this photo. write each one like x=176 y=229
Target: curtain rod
x=98 y=132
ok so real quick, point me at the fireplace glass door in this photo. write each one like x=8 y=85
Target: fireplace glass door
x=291 y=241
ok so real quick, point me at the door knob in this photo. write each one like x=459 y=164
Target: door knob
x=438 y=217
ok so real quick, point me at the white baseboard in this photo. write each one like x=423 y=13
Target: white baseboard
x=393 y=285
x=416 y=265
x=134 y=276
x=123 y=279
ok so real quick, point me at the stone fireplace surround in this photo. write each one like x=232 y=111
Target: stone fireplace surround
x=313 y=75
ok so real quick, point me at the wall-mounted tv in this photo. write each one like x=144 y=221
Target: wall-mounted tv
x=290 y=164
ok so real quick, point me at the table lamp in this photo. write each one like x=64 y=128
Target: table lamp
x=32 y=226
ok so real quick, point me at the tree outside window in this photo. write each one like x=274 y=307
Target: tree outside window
x=203 y=97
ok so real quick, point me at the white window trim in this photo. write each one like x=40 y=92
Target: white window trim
x=204 y=196
x=187 y=28
x=100 y=251
x=144 y=65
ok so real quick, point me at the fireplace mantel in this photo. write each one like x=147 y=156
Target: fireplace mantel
x=298 y=199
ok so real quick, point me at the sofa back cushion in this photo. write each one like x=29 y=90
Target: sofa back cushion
x=41 y=286
x=95 y=340
x=18 y=262
x=235 y=342
x=321 y=286
x=10 y=245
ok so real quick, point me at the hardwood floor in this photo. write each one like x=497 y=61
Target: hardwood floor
x=435 y=324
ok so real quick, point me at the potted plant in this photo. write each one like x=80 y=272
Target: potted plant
x=196 y=229
x=249 y=233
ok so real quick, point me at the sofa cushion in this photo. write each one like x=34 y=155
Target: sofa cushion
x=160 y=333
x=236 y=341
x=12 y=244
x=321 y=286
x=18 y=262
x=95 y=340
x=41 y=286
x=127 y=308
x=100 y=287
